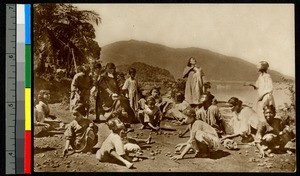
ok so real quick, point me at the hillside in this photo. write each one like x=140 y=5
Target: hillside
x=147 y=73
x=216 y=66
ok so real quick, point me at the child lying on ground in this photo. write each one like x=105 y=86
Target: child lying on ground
x=203 y=137
x=81 y=133
x=151 y=115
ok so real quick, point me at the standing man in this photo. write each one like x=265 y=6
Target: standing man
x=80 y=89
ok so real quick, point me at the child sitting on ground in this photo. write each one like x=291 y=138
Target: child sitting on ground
x=151 y=115
x=43 y=121
x=113 y=148
x=81 y=133
x=203 y=137
x=271 y=133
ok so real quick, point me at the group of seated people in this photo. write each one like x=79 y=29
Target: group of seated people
x=119 y=104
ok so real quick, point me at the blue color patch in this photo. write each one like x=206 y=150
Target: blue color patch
x=27 y=24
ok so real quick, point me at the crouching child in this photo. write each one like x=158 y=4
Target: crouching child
x=271 y=133
x=81 y=133
x=203 y=137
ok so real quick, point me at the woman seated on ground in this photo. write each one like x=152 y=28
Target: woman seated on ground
x=81 y=133
x=43 y=121
x=203 y=137
x=244 y=121
x=271 y=133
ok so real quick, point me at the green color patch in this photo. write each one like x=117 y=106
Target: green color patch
x=28 y=66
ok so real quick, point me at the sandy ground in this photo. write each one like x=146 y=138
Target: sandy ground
x=48 y=150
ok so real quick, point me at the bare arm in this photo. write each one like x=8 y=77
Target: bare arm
x=230 y=136
x=155 y=128
x=251 y=85
x=185 y=131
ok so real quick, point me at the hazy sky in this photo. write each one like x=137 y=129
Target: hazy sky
x=253 y=32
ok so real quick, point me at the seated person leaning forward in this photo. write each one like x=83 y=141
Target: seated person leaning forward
x=244 y=121
x=209 y=114
x=203 y=137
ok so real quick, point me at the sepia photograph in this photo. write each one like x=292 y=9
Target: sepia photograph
x=164 y=87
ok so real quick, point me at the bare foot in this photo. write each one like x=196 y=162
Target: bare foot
x=129 y=165
x=65 y=152
x=142 y=127
x=148 y=141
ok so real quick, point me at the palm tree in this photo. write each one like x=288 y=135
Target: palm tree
x=64 y=36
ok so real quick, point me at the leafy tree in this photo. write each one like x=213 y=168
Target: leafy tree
x=63 y=37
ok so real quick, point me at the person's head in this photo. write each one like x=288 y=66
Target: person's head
x=44 y=95
x=115 y=124
x=110 y=68
x=235 y=104
x=97 y=67
x=150 y=102
x=206 y=99
x=263 y=66
x=190 y=115
x=192 y=61
x=143 y=93
x=85 y=68
x=132 y=72
x=207 y=86
x=155 y=92
x=269 y=112
x=78 y=111
x=179 y=97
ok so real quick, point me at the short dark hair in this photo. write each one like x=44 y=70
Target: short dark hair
x=269 y=107
x=235 y=101
x=97 y=66
x=132 y=70
x=150 y=100
x=110 y=66
x=155 y=88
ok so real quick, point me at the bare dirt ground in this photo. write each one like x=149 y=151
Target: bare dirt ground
x=48 y=150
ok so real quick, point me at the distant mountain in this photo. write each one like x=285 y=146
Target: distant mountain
x=147 y=73
x=216 y=66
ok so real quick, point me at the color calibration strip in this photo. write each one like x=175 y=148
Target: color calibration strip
x=20 y=116
x=23 y=108
x=27 y=149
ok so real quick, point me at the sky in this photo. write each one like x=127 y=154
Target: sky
x=252 y=32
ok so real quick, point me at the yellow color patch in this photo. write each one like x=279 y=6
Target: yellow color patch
x=27 y=109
